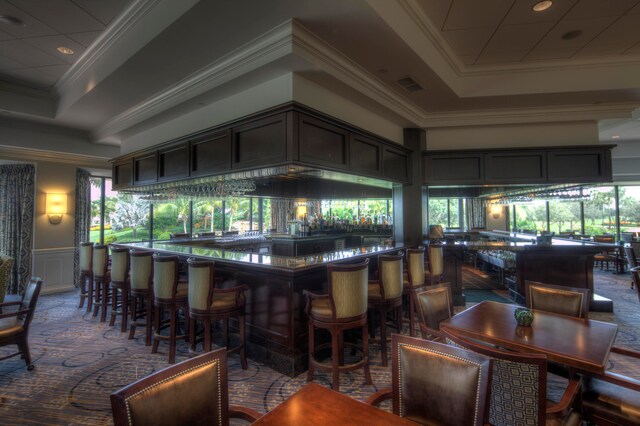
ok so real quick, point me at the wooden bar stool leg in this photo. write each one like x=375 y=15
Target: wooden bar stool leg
x=383 y=336
x=335 y=348
x=148 y=322
x=90 y=284
x=98 y=293
x=412 y=313
x=114 y=305
x=243 y=358
x=125 y=310
x=312 y=352
x=173 y=319
x=365 y=354
x=225 y=332
x=192 y=334
x=207 y=334
x=156 y=326
x=104 y=302
x=134 y=314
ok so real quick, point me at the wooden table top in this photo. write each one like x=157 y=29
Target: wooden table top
x=579 y=343
x=316 y=405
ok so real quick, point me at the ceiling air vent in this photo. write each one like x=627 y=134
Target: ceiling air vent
x=409 y=84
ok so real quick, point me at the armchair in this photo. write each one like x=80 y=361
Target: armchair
x=14 y=325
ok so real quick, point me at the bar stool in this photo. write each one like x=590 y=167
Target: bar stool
x=436 y=264
x=141 y=286
x=207 y=304
x=119 y=285
x=86 y=275
x=101 y=280
x=385 y=295
x=169 y=294
x=344 y=308
x=415 y=281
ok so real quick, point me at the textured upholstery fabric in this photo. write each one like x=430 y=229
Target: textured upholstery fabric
x=119 y=266
x=391 y=276
x=164 y=273
x=223 y=301
x=199 y=284
x=436 y=260
x=614 y=403
x=374 y=290
x=436 y=387
x=321 y=308
x=416 y=267
x=563 y=302
x=6 y=263
x=10 y=327
x=141 y=267
x=434 y=306
x=86 y=252
x=182 y=290
x=100 y=259
x=189 y=398
x=349 y=290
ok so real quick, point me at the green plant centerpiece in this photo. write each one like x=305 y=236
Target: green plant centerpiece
x=524 y=316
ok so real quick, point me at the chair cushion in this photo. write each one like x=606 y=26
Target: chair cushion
x=10 y=327
x=224 y=301
x=374 y=291
x=182 y=291
x=612 y=402
x=321 y=308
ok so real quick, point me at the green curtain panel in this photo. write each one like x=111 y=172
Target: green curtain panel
x=476 y=214
x=17 y=197
x=83 y=218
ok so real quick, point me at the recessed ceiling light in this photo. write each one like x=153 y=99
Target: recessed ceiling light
x=570 y=35
x=12 y=20
x=65 y=50
x=615 y=137
x=542 y=6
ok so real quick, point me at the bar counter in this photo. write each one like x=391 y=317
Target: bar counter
x=276 y=332
x=562 y=262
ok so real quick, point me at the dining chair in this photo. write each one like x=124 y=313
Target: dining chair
x=632 y=260
x=557 y=299
x=519 y=388
x=192 y=392
x=435 y=304
x=14 y=324
x=433 y=383
x=343 y=308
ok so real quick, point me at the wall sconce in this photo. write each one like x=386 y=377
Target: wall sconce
x=56 y=206
x=301 y=212
x=496 y=210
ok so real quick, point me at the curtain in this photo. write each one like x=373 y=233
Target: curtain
x=476 y=213
x=83 y=218
x=17 y=197
x=281 y=210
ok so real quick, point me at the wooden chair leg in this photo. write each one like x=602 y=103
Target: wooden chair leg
x=134 y=314
x=243 y=358
x=114 y=305
x=365 y=354
x=412 y=313
x=207 y=335
x=83 y=290
x=173 y=319
x=192 y=334
x=383 y=336
x=104 y=302
x=90 y=284
x=312 y=351
x=97 y=290
x=23 y=347
x=156 y=326
x=148 y=321
x=335 y=364
x=125 y=310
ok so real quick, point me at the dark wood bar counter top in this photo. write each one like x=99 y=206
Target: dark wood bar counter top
x=276 y=322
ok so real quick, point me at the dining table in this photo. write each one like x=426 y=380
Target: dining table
x=316 y=405
x=583 y=344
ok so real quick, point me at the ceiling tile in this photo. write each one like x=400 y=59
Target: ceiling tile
x=590 y=29
x=521 y=12
x=466 y=14
x=56 y=71
x=586 y=9
x=436 y=10
x=62 y=15
x=467 y=42
x=25 y=54
x=546 y=54
x=517 y=38
x=102 y=10
x=500 y=57
x=51 y=43
x=31 y=77
x=85 y=39
x=619 y=37
x=33 y=27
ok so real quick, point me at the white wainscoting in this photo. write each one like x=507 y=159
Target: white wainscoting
x=55 y=267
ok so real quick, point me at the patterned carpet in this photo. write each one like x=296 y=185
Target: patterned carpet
x=80 y=361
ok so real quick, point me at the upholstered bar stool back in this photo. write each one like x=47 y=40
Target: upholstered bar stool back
x=208 y=304
x=632 y=260
x=415 y=279
x=86 y=274
x=165 y=277
x=343 y=308
x=141 y=287
x=562 y=300
x=436 y=264
x=101 y=280
x=119 y=285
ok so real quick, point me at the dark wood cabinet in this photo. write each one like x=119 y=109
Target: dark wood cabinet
x=515 y=167
x=260 y=142
x=211 y=153
x=395 y=164
x=580 y=165
x=122 y=173
x=365 y=155
x=452 y=168
x=321 y=143
x=173 y=162
x=145 y=168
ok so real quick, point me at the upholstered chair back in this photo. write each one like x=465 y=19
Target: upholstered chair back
x=390 y=270
x=438 y=384
x=632 y=260
x=141 y=274
x=165 y=276
x=415 y=266
x=201 y=275
x=518 y=385
x=119 y=264
x=436 y=259
x=348 y=289
x=562 y=300
x=6 y=263
x=193 y=392
x=30 y=300
x=100 y=260
x=86 y=257
x=435 y=305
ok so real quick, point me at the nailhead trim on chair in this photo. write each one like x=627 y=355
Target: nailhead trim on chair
x=448 y=356
x=171 y=378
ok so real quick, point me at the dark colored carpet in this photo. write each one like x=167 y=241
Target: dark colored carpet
x=80 y=361
x=477 y=296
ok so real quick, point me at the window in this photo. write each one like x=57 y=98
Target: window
x=531 y=216
x=170 y=218
x=629 y=207
x=447 y=212
x=237 y=213
x=600 y=212
x=207 y=215
x=564 y=216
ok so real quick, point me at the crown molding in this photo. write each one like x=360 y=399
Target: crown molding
x=30 y=154
x=528 y=115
